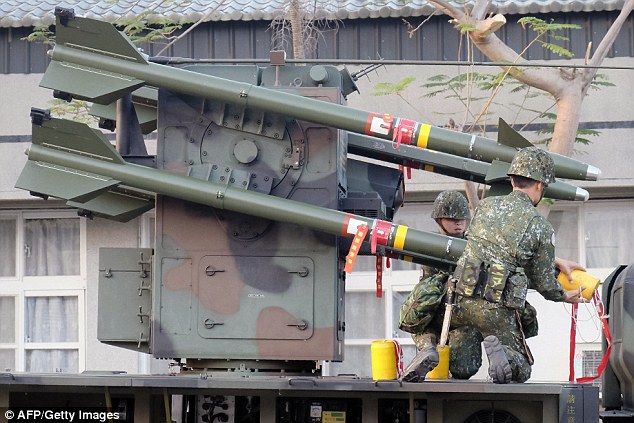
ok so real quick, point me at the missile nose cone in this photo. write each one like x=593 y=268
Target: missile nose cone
x=582 y=194
x=593 y=173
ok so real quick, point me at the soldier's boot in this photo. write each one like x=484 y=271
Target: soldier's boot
x=424 y=361
x=499 y=367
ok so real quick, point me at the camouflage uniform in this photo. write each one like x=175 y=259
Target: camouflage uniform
x=423 y=312
x=510 y=248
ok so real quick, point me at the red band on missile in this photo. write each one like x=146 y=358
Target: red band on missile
x=346 y=222
x=379 y=276
x=368 y=123
x=380 y=234
x=355 y=247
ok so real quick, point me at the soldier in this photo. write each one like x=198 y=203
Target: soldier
x=510 y=248
x=422 y=313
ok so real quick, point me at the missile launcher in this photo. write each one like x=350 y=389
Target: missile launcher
x=257 y=203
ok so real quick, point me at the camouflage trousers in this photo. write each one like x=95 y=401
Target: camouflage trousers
x=487 y=318
x=465 y=353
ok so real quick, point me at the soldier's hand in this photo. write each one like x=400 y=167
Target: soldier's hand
x=574 y=296
x=567 y=266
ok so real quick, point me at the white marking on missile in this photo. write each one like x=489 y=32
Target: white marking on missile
x=75 y=151
x=353 y=224
x=100 y=52
x=449 y=242
x=379 y=126
x=100 y=72
x=74 y=172
x=471 y=143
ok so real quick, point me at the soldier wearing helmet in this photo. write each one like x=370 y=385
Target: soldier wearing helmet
x=422 y=314
x=510 y=248
x=451 y=212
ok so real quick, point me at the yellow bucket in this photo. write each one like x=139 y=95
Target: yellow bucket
x=384 y=359
x=579 y=279
x=441 y=371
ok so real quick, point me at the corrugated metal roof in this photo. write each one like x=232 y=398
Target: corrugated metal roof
x=27 y=13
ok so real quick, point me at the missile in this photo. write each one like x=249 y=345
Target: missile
x=69 y=160
x=457 y=167
x=93 y=61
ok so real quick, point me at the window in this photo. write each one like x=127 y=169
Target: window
x=42 y=291
x=597 y=234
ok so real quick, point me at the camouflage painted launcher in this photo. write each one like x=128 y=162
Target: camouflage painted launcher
x=93 y=61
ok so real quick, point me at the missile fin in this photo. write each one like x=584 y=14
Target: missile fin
x=76 y=138
x=91 y=37
x=497 y=172
x=115 y=205
x=94 y=36
x=510 y=137
x=60 y=182
x=88 y=83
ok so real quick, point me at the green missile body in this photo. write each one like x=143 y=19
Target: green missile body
x=71 y=161
x=93 y=61
x=454 y=166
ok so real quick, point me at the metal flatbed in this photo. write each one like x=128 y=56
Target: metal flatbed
x=451 y=400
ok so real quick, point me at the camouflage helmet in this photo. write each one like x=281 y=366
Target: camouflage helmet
x=533 y=163
x=450 y=205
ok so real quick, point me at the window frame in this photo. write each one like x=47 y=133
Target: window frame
x=21 y=287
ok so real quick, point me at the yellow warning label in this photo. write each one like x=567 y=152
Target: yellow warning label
x=333 y=417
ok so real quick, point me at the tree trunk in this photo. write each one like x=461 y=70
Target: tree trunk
x=296 y=30
x=568 y=116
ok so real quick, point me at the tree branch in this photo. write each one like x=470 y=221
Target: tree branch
x=448 y=9
x=607 y=41
x=480 y=9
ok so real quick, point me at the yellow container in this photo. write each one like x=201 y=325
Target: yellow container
x=579 y=279
x=441 y=371
x=383 y=354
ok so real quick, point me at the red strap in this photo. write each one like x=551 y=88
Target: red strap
x=608 y=337
x=379 y=276
x=362 y=231
x=403 y=132
x=380 y=234
x=399 y=359
x=573 y=341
